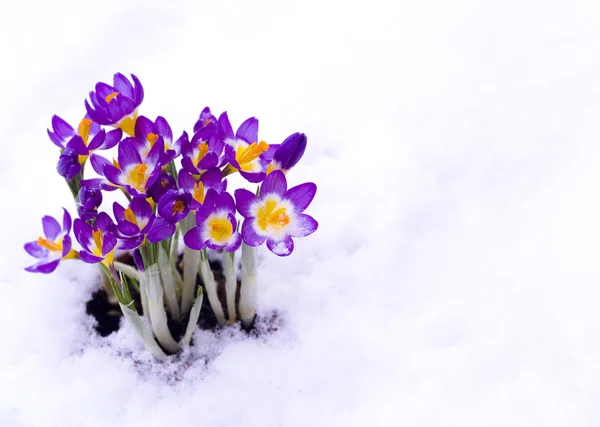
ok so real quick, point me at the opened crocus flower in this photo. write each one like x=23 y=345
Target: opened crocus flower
x=134 y=222
x=133 y=173
x=116 y=105
x=288 y=153
x=212 y=178
x=244 y=151
x=148 y=132
x=202 y=152
x=62 y=132
x=216 y=226
x=90 y=199
x=99 y=242
x=277 y=215
x=54 y=247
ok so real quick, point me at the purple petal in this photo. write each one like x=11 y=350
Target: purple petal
x=66 y=243
x=254 y=177
x=36 y=250
x=76 y=143
x=224 y=127
x=98 y=163
x=143 y=126
x=212 y=177
x=62 y=128
x=248 y=131
x=138 y=91
x=244 y=201
x=161 y=230
x=281 y=248
x=129 y=243
x=291 y=150
x=66 y=228
x=163 y=128
x=51 y=227
x=57 y=140
x=214 y=246
x=128 y=155
x=274 y=183
x=119 y=212
x=193 y=239
x=43 y=267
x=140 y=207
x=122 y=85
x=186 y=180
x=225 y=202
x=112 y=173
x=301 y=195
x=89 y=258
x=128 y=228
x=112 y=138
x=249 y=234
x=96 y=141
x=234 y=242
x=305 y=225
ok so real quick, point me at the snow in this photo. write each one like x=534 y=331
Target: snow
x=453 y=280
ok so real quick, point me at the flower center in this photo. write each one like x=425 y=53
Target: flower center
x=152 y=137
x=202 y=151
x=178 y=207
x=130 y=216
x=84 y=129
x=50 y=245
x=272 y=216
x=246 y=155
x=220 y=229
x=137 y=177
x=98 y=242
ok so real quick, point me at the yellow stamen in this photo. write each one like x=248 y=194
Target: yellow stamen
x=98 y=241
x=130 y=216
x=137 y=177
x=111 y=96
x=202 y=151
x=50 y=245
x=220 y=230
x=84 y=129
x=228 y=170
x=116 y=164
x=73 y=254
x=199 y=192
x=245 y=156
x=178 y=207
x=272 y=216
x=207 y=122
x=152 y=137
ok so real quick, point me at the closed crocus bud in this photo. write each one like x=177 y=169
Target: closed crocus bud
x=68 y=164
x=164 y=183
x=89 y=201
x=288 y=153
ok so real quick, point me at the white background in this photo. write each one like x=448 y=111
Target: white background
x=453 y=280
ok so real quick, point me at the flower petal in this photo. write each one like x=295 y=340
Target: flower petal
x=161 y=230
x=51 y=227
x=36 y=250
x=305 y=225
x=248 y=131
x=244 y=201
x=43 y=267
x=193 y=239
x=282 y=248
x=301 y=195
x=249 y=234
x=274 y=183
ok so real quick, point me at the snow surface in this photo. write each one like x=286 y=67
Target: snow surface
x=453 y=280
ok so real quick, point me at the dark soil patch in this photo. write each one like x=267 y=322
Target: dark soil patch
x=108 y=315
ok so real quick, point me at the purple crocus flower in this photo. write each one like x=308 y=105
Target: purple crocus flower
x=134 y=222
x=54 y=247
x=101 y=141
x=62 y=132
x=116 y=105
x=133 y=173
x=216 y=226
x=98 y=243
x=202 y=152
x=90 y=199
x=68 y=164
x=277 y=215
x=148 y=132
x=173 y=206
x=243 y=150
x=164 y=183
x=289 y=152
x=212 y=178
x=206 y=118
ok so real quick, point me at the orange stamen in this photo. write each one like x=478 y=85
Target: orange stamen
x=111 y=96
x=84 y=129
x=50 y=245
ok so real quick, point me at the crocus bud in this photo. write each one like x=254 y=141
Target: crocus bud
x=288 y=153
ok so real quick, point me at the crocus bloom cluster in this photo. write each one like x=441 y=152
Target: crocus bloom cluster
x=173 y=189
